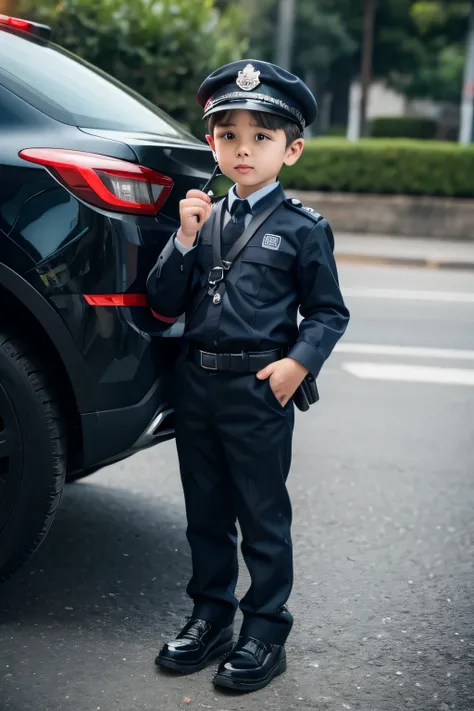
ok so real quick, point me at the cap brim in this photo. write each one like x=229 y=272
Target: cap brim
x=252 y=106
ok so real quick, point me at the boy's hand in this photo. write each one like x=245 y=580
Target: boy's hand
x=194 y=210
x=285 y=377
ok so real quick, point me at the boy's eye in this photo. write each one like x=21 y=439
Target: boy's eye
x=228 y=136
x=261 y=137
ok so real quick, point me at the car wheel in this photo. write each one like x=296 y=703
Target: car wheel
x=33 y=448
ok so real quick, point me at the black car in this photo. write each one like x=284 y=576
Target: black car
x=91 y=175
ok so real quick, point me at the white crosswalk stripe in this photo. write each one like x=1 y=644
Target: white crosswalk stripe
x=404 y=351
x=410 y=373
x=409 y=294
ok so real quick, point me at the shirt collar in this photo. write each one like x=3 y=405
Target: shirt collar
x=253 y=198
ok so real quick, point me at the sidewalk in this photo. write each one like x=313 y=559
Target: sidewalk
x=404 y=251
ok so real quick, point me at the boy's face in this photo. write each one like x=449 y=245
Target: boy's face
x=241 y=142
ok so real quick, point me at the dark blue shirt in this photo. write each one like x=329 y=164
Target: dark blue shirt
x=287 y=265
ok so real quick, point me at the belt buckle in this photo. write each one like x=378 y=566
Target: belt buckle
x=244 y=360
x=207 y=367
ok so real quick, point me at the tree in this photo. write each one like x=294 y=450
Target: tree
x=160 y=48
x=367 y=61
x=321 y=35
x=429 y=41
x=419 y=47
x=164 y=48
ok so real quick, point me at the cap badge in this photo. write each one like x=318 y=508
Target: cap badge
x=248 y=78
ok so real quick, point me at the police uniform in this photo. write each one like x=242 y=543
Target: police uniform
x=232 y=434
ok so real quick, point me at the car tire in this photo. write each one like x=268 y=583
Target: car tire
x=33 y=450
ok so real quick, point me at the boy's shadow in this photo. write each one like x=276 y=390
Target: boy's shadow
x=111 y=556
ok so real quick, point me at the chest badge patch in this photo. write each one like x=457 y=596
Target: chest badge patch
x=271 y=241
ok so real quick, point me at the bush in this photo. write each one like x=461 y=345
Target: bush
x=337 y=129
x=403 y=127
x=383 y=166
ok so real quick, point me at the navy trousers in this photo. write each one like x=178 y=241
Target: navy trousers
x=234 y=445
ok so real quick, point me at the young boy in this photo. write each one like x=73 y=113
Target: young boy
x=243 y=359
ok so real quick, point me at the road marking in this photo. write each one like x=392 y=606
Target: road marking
x=410 y=373
x=404 y=351
x=410 y=294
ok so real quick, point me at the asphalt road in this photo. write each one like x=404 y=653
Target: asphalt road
x=382 y=485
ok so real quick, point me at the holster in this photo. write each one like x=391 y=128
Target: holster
x=306 y=394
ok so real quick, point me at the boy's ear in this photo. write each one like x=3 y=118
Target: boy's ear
x=294 y=151
x=211 y=142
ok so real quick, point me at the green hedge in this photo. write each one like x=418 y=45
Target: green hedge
x=383 y=166
x=403 y=127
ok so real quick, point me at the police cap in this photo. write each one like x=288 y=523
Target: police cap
x=258 y=86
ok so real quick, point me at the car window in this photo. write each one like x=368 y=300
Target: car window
x=8 y=115
x=73 y=91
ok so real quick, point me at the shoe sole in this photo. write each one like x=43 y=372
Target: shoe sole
x=220 y=680
x=192 y=668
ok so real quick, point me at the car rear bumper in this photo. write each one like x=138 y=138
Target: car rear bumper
x=112 y=435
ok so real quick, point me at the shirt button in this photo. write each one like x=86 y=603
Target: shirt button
x=182 y=267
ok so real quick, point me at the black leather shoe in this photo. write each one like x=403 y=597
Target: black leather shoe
x=198 y=643
x=251 y=665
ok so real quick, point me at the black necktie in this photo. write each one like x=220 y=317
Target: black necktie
x=236 y=225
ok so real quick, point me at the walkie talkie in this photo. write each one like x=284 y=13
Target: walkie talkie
x=217 y=171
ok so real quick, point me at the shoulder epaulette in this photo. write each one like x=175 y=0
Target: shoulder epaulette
x=298 y=206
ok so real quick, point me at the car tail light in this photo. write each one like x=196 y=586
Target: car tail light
x=109 y=183
x=115 y=299
x=125 y=300
x=33 y=28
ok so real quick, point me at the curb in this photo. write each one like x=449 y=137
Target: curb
x=402 y=261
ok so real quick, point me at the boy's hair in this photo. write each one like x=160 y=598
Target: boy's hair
x=262 y=119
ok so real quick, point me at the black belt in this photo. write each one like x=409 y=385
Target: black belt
x=235 y=362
